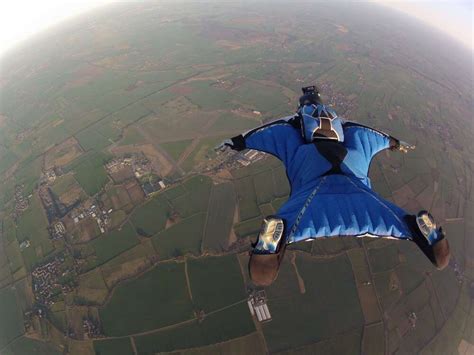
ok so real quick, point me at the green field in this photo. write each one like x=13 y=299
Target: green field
x=82 y=167
x=91 y=287
x=202 y=152
x=249 y=228
x=163 y=301
x=26 y=346
x=28 y=173
x=372 y=343
x=208 y=97
x=125 y=264
x=182 y=238
x=13 y=252
x=175 y=149
x=63 y=184
x=32 y=226
x=216 y=282
x=7 y=159
x=131 y=136
x=384 y=259
x=281 y=187
x=227 y=324
x=220 y=217
x=387 y=288
x=269 y=100
x=196 y=198
x=264 y=187
x=249 y=344
x=328 y=246
x=91 y=139
x=247 y=198
x=113 y=243
x=11 y=325
x=230 y=122
x=150 y=218
x=345 y=343
x=113 y=347
x=326 y=308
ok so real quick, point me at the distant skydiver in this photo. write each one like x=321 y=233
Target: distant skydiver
x=327 y=162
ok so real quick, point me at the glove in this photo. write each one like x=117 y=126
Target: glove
x=221 y=148
x=404 y=147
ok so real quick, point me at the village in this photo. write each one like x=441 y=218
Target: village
x=52 y=279
x=138 y=166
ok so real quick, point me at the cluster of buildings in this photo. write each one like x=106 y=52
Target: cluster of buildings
x=91 y=328
x=139 y=164
x=117 y=164
x=101 y=216
x=242 y=111
x=24 y=244
x=21 y=203
x=230 y=159
x=46 y=281
x=457 y=270
x=223 y=84
x=412 y=318
x=149 y=186
x=343 y=104
x=48 y=177
x=258 y=307
x=249 y=157
x=57 y=231
x=139 y=167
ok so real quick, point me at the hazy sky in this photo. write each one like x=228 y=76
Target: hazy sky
x=455 y=17
x=21 y=19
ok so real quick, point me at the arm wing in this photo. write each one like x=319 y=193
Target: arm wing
x=368 y=140
x=280 y=138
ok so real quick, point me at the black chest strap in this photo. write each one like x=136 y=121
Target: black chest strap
x=334 y=152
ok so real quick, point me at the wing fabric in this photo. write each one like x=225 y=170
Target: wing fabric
x=362 y=144
x=279 y=138
x=339 y=205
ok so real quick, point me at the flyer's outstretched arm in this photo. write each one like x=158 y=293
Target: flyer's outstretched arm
x=280 y=138
x=363 y=143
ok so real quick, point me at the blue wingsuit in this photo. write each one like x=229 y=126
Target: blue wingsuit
x=327 y=202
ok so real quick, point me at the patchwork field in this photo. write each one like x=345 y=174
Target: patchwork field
x=32 y=226
x=151 y=217
x=113 y=243
x=26 y=345
x=170 y=273
x=233 y=322
x=216 y=282
x=184 y=237
x=327 y=308
x=121 y=346
x=12 y=326
x=220 y=217
x=164 y=300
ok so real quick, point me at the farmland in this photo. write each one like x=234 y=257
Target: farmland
x=215 y=282
x=113 y=195
x=330 y=308
x=163 y=296
x=151 y=217
x=213 y=329
x=219 y=217
x=13 y=326
x=25 y=345
x=115 y=346
x=181 y=238
x=113 y=243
